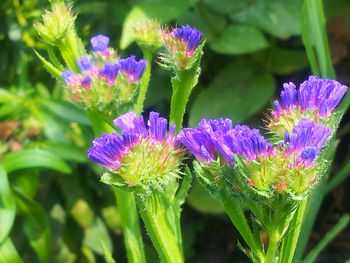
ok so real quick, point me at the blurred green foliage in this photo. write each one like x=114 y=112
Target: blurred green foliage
x=62 y=213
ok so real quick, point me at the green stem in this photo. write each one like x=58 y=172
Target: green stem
x=236 y=214
x=147 y=54
x=182 y=83
x=159 y=229
x=131 y=226
x=272 y=251
x=291 y=240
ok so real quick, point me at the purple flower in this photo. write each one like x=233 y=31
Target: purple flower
x=314 y=93
x=242 y=141
x=86 y=82
x=109 y=149
x=132 y=68
x=84 y=63
x=109 y=72
x=66 y=75
x=307 y=138
x=191 y=36
x=199 y=141
x=99 y=42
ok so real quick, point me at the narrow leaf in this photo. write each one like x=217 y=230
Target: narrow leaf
x=34 y=158
x=7 y=206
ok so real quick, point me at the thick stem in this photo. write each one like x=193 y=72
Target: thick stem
x=131 y=226
x=272 y=251
x=236 y=214
x=182 y=84
x=147 y=54
x=291 y=240
x=159 y=229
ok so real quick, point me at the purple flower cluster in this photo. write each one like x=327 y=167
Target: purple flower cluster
x=242 y=141
x=307 y=139
x=129 y=67
x=109 y=149
x=191 y=36
x=217 y=136
x=315 y=93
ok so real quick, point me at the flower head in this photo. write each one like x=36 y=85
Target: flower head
x=191 y=36
x=316 y=99
x=242 y=141
x=199 y=140
x=104 y=82
x=132 y=68
x=182 y=45
x=141 y=156
x=306 y=140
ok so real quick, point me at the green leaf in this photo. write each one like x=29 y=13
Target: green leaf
x=64 y=151
x=8 y=253
x=67 y=111
x=34 y=158
x=6 y=96
x=35 y=225
x=282 y=61
x=237 y=92
x=162 y=10
x=106 y=253
x=226 y=7
x=328 y=237
x=239 y=39
x=277 y=17
x=7 y=206
x=314 y=36
x=200 y=200
x=96 y=234
x=209 y=23
x=49 y=67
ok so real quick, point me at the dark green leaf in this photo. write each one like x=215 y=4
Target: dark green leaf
x=237 y=92
x=226 y=7
x=200 y=200
x=67 y=111
x=277 y=17
x=35 y=225
x=282 y=61
x=162 y=10
x=239 y=39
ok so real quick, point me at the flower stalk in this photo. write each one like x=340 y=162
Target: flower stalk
x=154 y=215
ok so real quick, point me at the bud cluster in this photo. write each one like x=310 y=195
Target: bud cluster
x=104 y=82
x=140 y=158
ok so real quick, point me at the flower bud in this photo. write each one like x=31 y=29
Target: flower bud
x=57 y=24
x=148 y=34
